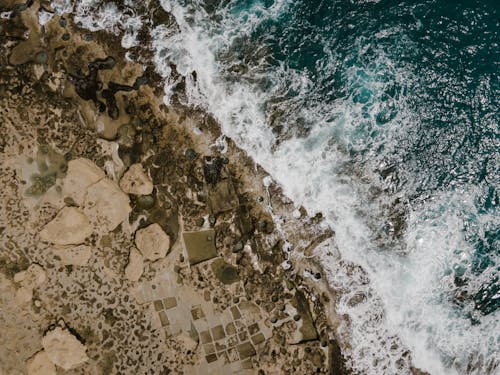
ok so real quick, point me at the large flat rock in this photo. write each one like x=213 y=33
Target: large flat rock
x=70 y=227
x=106 y=205
x=81 y=174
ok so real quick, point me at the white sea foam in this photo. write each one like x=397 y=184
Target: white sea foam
x=395 y=294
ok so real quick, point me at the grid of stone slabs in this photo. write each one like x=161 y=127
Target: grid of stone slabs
x=228 y=339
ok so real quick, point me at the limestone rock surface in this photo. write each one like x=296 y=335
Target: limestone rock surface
x=136 y=181
x=152 y=242
x=63 y=349
x=40 y=364
x=74 y=255
x=70 y=227
x=29 y=279
x=135 y=265
x=81 y=174
x=106 y=205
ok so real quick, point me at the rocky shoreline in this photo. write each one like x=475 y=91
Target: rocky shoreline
x=135 y=239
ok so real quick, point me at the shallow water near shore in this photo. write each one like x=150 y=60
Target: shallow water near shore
x=382 y=115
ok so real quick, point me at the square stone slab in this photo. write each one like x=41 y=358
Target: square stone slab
x=200 y=246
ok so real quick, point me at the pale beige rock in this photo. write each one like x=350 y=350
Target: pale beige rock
x=23 y=295
x=70 y=227
x=152 y=242
x=136 y=181
x=29 y=279
x=106 y=205
x=81 y=174
x=74 y=255
x=40 y=364
x=63 y=349
x=135 y=265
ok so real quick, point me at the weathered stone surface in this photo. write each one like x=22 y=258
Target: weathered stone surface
x=106 y=205
x=152 y=242
x=40 y=364
x=136 y=181
x=29 y=279
x=63 y=349
x=74 y=255
x=135 y=265
x=81 y=174
x=200 y=246
x=70 y=227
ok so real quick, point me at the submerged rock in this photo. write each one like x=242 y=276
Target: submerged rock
x=40 y=364
x=63 y=349
x=106 y=205
x=135 y=265
x=70 y=227
x=136 y=181
x=152 y=242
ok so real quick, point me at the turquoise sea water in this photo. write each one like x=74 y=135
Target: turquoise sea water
x=382 y=115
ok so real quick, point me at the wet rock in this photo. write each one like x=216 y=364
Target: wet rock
x=41 y=57
x=152 y=242
x=225 y=273
x=307 y=330
x=136 y=181
x=81 y=174
x=106 y=205
x=200 y=246
x=74 y=255
x=190 y=154
x=212 y=167
x=222 y=197
x=63 y=349
x=40 y=364
x=135 y=266
x=70 y=227
x=146 y=201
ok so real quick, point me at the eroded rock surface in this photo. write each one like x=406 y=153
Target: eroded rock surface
x=63 y=349
x=135 y=265
x=40 y=364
